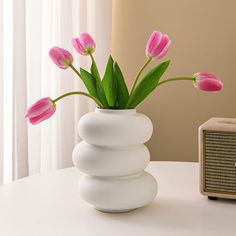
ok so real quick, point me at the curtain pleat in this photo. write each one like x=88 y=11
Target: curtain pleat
x=34 y=89
x=20 y=140
x=1 y=92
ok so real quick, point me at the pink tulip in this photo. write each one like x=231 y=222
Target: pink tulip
x=158 y=45
x=207 y=82
x=41 y=110
x=61 y=57
x=84 y=44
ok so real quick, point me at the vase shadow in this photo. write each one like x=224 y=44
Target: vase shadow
x=174 y=214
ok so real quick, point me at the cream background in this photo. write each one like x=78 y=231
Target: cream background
x=203 y=34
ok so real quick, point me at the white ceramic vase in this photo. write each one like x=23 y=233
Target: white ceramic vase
x=113 y=157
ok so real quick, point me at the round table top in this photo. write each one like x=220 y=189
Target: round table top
x=49 y=204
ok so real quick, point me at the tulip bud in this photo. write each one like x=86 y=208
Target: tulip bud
x=61 y=57
x=158 y=45
x=207 y=82
x=84 y=44
x=41 y=110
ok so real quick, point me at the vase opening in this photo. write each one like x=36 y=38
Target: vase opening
x=115 y=111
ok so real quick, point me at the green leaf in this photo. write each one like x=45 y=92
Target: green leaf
x=89 y=82
x=147 y=84
x=109 y=83
x=122 y=90
x=99 y=88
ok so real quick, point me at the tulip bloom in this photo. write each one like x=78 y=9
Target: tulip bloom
x=207 y=82
x=61 y=57
x=41 y=110
x=84 y=45
x=158 y=45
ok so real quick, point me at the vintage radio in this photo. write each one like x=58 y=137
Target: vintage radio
x=217 y=157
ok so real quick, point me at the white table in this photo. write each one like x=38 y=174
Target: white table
x=49 y=205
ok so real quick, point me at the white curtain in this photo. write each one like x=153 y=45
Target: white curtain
x=1 y=92
x=28 y=29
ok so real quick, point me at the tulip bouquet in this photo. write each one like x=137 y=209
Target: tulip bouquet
x=110 y=91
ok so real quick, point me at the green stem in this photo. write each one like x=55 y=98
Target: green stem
x=139 y=73
x=79 y=93
x=73 y=68
x=175 y=79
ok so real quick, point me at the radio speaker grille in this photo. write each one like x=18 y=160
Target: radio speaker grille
x=220 y=162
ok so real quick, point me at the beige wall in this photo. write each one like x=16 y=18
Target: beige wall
x=203 y=34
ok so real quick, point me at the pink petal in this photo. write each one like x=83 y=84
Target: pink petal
x=206 y=75
x=39 y=107
x=61 y=57
x=210 y=85
x=87 y=41
x=47 y=114
x=164 y=51
x=153 y=41
x=160 y=47
x=78 y=46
